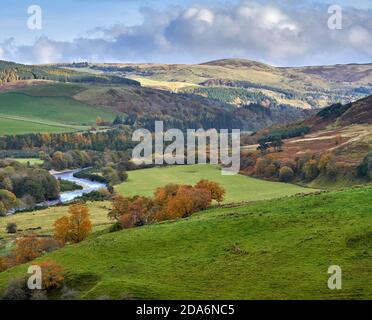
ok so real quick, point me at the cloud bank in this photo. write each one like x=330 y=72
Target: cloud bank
x=281 y=35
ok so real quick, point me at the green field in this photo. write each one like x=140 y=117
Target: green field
x=59 y=109
x=47 y=108
x=18 y=125
x=277 y=249
x=238 y=187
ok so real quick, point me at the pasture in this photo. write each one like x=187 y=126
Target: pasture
x=238 y=187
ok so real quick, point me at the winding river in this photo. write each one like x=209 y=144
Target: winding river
x=88 y=186
x=65 y=197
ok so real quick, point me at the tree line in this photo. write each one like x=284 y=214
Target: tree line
x=170 y=202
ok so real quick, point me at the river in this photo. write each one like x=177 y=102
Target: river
x=88 y=186
x=65 y=197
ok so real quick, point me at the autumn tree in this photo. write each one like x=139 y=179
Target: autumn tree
x=216 y=190
x=164 y=194
x=80 y=224
x=133 y=211
x=119 y=207
x=75 y=227
x=187 y=201
x=62 y=229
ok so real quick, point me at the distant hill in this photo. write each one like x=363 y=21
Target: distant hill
x=228 y=93
x=241 y=82
x=109 y=93
x=11 y=72
x=343 y=130
x=342 y=115
x=238 y=63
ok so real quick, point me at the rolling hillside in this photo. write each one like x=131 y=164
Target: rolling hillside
x=268 y=250
x=245 y=81
x=343 y=132
x=72 y=104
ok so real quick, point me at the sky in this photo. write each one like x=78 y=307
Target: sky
x=282 y=33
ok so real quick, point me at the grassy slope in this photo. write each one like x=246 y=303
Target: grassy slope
x=271 y=249
x=16 y=125
x=47 y=107
x=238 y=187
x=60 y=109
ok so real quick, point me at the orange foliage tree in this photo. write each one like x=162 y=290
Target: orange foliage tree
x=169 y=202
x=62 y=229
x=133 y=211
x=74 y=228
x=27 y=249
x=216 y=190
x=164 y=194
x=187 y=201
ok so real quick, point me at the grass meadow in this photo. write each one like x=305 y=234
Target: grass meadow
x=238 y=187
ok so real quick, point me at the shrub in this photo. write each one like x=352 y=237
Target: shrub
x=27 y=249
x=52 y=274
x=6 y=262
x=115 y=227
x=17 y=290
x=11 y=227
x=286 y=174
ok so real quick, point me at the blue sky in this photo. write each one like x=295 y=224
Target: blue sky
x=185 y=31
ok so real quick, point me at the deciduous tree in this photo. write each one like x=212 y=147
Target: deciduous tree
x=216 y=190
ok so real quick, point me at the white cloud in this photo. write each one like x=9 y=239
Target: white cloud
x=282 y=35
x=359 y=36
